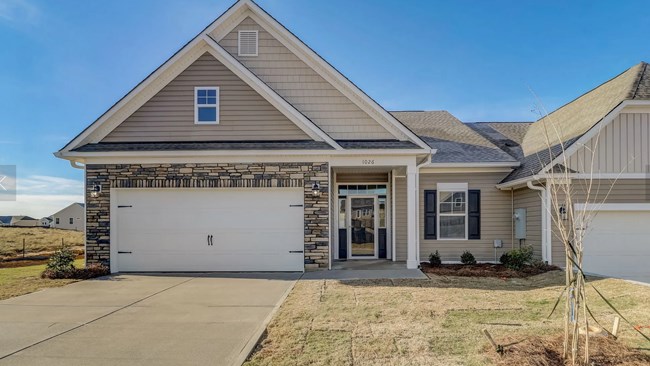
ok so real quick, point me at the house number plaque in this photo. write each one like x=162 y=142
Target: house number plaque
x=368 y=162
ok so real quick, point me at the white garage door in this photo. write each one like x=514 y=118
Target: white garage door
x=617 y=244
x=208 y=230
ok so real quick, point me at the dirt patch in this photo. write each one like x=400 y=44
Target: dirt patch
x=485 y=270
x=547 y=351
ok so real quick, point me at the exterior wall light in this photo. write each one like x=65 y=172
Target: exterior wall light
x=563 y=213
x=315 y=190
x=96 y=190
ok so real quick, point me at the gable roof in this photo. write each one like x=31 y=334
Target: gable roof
x=578 y=116
x=454 y=140
x=204 y=41
x=568 y=124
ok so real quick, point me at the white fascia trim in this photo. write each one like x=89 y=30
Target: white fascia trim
x=471 y=165
x=184 y=153
x=521 y=181
x=612 y=206
x=324 y=69
x=610 y=176
x=126 y=99
x=269 y=94
x=595 y=130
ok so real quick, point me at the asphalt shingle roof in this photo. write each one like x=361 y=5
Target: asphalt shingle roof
x=376 y=144
x=455 y=141
x=197 y=146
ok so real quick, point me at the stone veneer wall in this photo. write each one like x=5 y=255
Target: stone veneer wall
x=218 y=175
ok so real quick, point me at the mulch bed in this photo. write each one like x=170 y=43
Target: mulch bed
x=485 y=270
x=547 y=351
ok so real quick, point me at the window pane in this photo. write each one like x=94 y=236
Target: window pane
x=382 y=211
x=201 y=100
x=342 y=224
x=212 y=93
x=445 y=208
x=446 y=197
x=212 y=100
x=452 y=227
x=201 y=92
x=207 y=114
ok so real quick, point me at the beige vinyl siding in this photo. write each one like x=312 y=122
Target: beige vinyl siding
x=531 y=200
x=603 y=191
x=621 y=146
x=496 y=217
x=244 y=115
x=400 y=219
x=301 y=86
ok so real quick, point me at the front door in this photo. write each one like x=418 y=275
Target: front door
x=362 y=227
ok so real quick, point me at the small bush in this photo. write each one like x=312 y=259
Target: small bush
x=516 y=259
x=61 y=262
x=467 y=258
x=434 y=259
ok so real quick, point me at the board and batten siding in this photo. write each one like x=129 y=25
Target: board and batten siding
x=496 y=217
x=304 y=88
x=621 y=146
x=603 y=191
x=244 y=115
x=531 y=200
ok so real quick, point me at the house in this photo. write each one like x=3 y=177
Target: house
x=46 y=221
x=69 y=218
x=246 y=151
x=20 y=221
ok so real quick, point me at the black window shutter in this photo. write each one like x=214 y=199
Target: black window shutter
x=430 y=210
x=474 y=214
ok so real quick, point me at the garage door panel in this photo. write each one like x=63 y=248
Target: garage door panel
x=251 y=229
x=617 y=244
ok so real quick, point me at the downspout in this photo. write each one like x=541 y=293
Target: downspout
x=546 y=218
x=417 y=204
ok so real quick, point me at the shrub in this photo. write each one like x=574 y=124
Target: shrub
x=434 y=259
x=467 y=258
x=516 y=259
x=61 y=263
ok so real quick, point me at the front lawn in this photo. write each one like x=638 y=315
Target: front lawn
x=23 y=280
x=427 y=322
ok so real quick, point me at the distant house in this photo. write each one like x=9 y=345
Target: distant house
x=70 y=218
x=46 y=222
x=25 y=221
x=5 y=220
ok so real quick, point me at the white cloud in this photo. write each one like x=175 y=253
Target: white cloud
x=19 y=12
x=41 y=195
x=37 y=205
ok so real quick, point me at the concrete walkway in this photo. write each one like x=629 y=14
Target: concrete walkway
x=192 y=319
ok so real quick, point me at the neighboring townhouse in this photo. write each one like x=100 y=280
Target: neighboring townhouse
x=46 y=221
x=69 y=218
x=246 y=151
x=23 y=221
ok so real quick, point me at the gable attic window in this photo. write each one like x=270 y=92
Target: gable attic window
x=248 y=40
x=206 y=105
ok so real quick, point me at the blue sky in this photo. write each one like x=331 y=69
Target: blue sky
x=64 y=62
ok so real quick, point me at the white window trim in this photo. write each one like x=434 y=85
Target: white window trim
x=452 y=187
x=197 y=105
x=257 y=43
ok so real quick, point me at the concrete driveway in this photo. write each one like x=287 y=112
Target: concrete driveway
x=192 y=319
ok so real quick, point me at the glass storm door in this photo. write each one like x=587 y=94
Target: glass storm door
x=362 y=233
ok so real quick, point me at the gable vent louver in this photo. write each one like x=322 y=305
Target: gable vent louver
x=248 y=43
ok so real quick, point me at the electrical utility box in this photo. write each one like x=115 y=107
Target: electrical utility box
x=520 y=223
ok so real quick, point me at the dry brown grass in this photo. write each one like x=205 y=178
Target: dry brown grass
x=23 y=280
x=38 y=241
x=426 y=322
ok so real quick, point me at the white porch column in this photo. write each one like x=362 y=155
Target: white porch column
x=411 y=216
